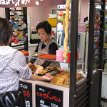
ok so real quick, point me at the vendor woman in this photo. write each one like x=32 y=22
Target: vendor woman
x=46 y=45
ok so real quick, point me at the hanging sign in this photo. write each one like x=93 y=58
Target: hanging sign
x=15 y=3
x=28 y=3
x=48 y=97
x=61 y=7
x=27 y=92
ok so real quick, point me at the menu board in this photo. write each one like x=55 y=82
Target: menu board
x=27 y=92
x=48 y=97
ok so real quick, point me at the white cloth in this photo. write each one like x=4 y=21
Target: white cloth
x=59 y=27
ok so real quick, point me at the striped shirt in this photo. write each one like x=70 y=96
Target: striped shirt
x=12 y=67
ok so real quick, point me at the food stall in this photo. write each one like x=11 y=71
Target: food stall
x=74 y=93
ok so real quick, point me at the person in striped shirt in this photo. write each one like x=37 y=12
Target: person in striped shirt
x=12 y=67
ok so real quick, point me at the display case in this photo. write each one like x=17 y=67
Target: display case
x=18 y=19
x=54 y=92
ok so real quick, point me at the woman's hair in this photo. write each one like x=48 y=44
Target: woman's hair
x=5 y=31
x=45 y=25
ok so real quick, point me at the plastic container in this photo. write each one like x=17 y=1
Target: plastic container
x=59 y=55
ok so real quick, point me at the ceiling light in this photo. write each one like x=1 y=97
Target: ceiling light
x=37 y=2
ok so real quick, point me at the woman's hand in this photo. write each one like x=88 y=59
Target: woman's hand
x=38 y=70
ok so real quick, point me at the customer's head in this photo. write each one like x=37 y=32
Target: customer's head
x=5 y=32
x=44 y=30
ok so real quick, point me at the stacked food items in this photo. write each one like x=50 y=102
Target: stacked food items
x=63 y=78
x=50 y=71
x=59 y=77
x=33 y=68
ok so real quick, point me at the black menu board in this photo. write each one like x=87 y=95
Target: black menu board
x=48 y=97
x=27 y=92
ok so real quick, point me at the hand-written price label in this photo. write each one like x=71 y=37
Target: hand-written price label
x=48 y=97
x=27 y=92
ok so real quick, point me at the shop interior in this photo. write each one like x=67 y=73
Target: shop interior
x=25 y=38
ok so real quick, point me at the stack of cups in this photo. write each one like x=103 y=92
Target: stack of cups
x=59 y=55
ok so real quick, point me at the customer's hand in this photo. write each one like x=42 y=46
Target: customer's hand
x=29 y=64
x=41 y=78
x=39 y=69
x=47 y=77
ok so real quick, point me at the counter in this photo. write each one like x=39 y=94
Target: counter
x=44 y=94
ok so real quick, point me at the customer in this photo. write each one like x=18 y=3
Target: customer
x=12 y=66
x=47 y=45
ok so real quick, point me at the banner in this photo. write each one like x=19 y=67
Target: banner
x=15 y=3
x=28 y=3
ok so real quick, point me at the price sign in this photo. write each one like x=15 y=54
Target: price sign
x=27 y=92
x=48 y=97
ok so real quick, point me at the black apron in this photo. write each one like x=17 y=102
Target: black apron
x=45 y=51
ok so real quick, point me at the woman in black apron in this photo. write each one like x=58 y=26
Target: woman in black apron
x=47 y=45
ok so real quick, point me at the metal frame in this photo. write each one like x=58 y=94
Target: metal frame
x=93 y=79
x=102 y=45
x=73 y=48
x=90 y=47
